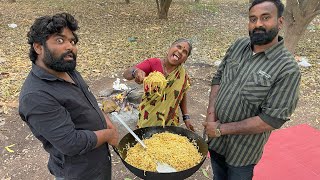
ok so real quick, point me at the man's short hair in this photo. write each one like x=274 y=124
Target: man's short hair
x=277 y=3
x=45 y=26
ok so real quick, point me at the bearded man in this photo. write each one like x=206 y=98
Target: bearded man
x=58 y=106
x=254 y=91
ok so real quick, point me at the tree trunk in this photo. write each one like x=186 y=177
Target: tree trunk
x=298 y=15
x=293 y=33
x=163 y=8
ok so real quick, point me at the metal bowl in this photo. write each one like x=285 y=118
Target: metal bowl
x=147 y=132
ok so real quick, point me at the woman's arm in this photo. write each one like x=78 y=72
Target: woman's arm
x=184 y=111
x=129 y=73
x=134 y=73
x=183 y=104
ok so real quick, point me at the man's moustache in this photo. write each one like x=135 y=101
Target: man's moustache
x=259 y=29
x=67 y=53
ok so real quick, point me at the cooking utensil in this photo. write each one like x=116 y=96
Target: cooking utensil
x=115 y=114
x=147 y=132
x=204 y=134
x=161 y=167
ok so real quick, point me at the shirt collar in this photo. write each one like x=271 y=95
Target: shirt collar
x=271 y=52
x=42 y=74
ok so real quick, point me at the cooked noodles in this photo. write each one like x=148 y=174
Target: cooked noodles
x=166 y=147
x=155 y=82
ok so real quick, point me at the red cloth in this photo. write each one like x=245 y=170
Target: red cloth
x=150 y=65
x=292 y=153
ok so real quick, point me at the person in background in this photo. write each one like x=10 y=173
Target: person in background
x=254 y=91
x=58 y=106
x=155 y=109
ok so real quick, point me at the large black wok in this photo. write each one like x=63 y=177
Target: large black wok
x=147 y=132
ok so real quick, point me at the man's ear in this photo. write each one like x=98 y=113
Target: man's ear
x=38 y=48
x=280 y=21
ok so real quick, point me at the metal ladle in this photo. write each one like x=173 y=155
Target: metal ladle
x=161 y=167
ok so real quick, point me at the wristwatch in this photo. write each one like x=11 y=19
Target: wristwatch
x=217 y=130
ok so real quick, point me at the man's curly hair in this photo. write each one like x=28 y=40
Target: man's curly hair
x=45 y=26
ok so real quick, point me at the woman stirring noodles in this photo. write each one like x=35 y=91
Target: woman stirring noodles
x=159 y=106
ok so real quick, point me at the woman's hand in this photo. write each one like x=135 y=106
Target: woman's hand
x=139 y=76
x=189 y=125
x=134 y=73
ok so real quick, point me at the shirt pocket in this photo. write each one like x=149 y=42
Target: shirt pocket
x=230 y=70
x=256 y=89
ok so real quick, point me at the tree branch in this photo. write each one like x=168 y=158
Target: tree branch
x=318 y=8
x=314 y=14
x=297 y=11
x=310 y=6
x=158 y=7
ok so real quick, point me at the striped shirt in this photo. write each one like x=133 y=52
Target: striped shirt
x=265 y=84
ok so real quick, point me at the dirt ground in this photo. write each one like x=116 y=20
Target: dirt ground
x=29 y=160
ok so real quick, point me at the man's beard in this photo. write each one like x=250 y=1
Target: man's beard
x=58 y=63
x=264 y=37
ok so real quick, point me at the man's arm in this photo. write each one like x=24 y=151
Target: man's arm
x=273 y=114
x=253 y=125
x=52 y=122
x=109 y=135
x=211 y=116
x=215 y=86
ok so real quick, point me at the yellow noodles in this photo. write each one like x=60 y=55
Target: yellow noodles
x=155 y=82
x=166 y=147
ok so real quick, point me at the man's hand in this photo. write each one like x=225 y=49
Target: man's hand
x=189 y=125
x=113 y=138
x=211 y=116
x=109 y=135
x=210 y=127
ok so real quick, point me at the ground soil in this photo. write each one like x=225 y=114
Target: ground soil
x=28 y=161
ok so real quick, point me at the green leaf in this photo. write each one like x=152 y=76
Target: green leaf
x=127 y=179
x=205 y=173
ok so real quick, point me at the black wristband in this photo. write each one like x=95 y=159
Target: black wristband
x=185 y=117
x=133 y=72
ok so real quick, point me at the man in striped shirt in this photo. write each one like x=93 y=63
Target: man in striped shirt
x=254 y=91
